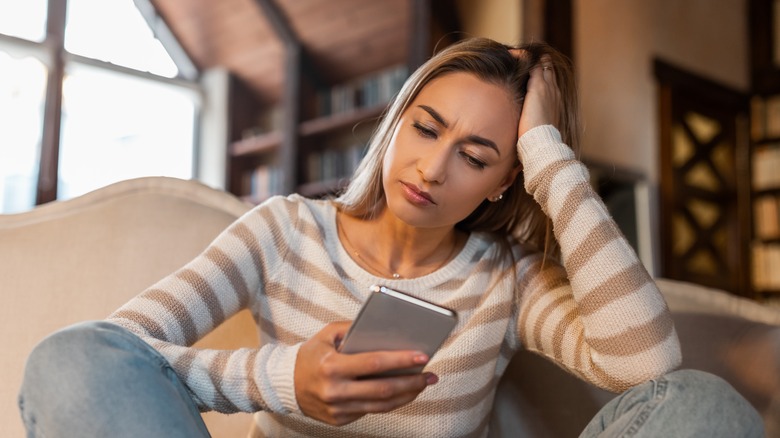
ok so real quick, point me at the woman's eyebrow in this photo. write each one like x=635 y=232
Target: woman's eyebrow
x=471 y=138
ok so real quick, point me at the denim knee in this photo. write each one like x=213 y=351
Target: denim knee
x=682 y=403
x=705 y=397
x=98 y=379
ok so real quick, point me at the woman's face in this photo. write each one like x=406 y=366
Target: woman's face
x=453 y=147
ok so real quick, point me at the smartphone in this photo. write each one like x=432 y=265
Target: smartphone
x=391 y=320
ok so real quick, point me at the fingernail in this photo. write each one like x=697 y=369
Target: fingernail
x=421 y=358
x=431 y=379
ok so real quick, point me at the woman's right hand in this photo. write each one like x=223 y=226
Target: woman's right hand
x=329 y=387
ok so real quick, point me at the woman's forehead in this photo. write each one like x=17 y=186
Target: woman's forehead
x=466 y=101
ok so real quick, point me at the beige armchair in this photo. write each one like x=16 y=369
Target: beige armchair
x=80 y=259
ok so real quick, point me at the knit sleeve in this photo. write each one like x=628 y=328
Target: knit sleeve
x=180 y=309
x=600 y=314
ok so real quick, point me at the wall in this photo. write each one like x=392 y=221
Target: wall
x=213 y=135
x=496 y=19
x=615 y=43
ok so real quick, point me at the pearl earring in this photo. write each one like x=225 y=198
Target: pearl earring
x=498 y=198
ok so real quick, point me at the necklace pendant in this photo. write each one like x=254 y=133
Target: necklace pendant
x=396 y=275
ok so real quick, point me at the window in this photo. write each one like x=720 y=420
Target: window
x=111 y=132
x=21 y=111
x=126 y=108
x=25 y=20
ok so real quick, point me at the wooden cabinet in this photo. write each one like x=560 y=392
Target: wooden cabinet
x=705 y=199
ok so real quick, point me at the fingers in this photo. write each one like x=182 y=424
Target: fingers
x=542 y=100
x=519 y=53
x=332 y=387
x=382 y=388
x=351 y=401
x=545 y=67
x=379 y=362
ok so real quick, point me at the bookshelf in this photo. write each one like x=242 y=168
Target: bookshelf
x=765 y=148
x=311 y=139
x=765 y=194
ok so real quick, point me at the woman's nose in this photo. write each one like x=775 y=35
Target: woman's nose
x=432 y=165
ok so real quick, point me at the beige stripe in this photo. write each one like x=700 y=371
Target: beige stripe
x=466 y=362
x=487 y=315
x=451 y=405
x=293 y=298
x=466 y=304
x=151 y=326
x=600 y=236
x=245 y=235
x=279 y=333
x=578 y=195
x=233 y=274
x=216 y=371
x=178 y=311
x=624 y=283
x=258 y=403
x=552 y=277
x=279 y=242
x=546 y=313
x=636 y=339
x=613 y=383
x=206 y=293
x=541 y=184
x=560 y=331
x=539 y=286
x=579 y=350
x=183 y=364
x=311 y=231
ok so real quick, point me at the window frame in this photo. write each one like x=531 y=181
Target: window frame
x=51 y=52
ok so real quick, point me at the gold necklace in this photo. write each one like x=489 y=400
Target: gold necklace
x=384 y=272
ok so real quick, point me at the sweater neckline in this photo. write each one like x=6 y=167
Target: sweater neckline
x=449 y=270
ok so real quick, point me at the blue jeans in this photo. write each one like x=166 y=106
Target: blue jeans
x=97 y=379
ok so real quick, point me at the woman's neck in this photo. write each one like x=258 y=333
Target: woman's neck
x=390 y=248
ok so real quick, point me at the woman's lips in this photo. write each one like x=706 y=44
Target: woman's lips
x=416 y=196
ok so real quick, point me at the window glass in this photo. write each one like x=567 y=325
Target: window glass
x=24 y=18
x=22 y=92
x=117 y=127
x=115 y=31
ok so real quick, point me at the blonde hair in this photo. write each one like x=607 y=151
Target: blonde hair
x=517 y=214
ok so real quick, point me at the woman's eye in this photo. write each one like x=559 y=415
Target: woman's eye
x=424 y=132
x=472 y=161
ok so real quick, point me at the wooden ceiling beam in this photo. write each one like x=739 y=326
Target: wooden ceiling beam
x=288 y=157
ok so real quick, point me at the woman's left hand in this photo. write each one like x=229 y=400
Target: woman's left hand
x=541 y=105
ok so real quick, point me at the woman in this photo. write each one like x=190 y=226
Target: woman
x=465 y=180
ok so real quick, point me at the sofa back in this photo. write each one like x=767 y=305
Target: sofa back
x=81 y=259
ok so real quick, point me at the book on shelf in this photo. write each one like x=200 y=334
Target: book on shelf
x=757 y=119
x=767 y=217
x=766 y=162
x=766 y=115
x=263 y=182
x=766 y=266
x=364 y=92
x=266 y=122
x=334 y=163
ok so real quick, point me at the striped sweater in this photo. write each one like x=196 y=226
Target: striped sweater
x=598 y=315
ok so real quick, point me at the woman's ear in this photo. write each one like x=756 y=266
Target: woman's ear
x=508 y=180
